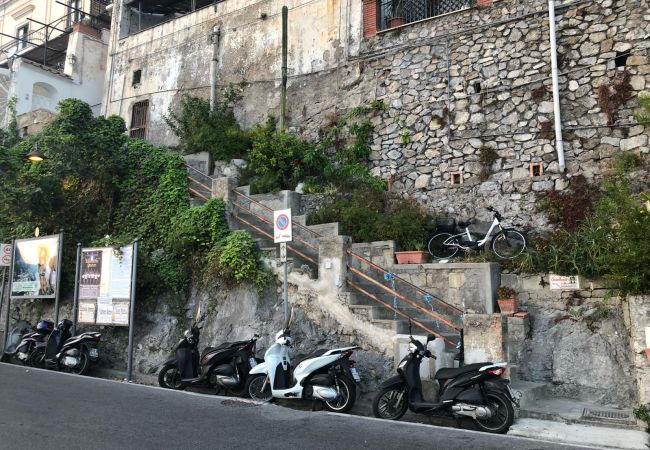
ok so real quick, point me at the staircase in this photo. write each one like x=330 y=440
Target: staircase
x=374 y=294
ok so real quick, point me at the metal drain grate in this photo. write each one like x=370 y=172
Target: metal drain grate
x=609 y=416
x=238 y=404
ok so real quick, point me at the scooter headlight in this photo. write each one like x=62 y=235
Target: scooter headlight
x=188 y=334
x=412 y=347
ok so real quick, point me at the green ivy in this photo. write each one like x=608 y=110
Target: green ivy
x=239 y=260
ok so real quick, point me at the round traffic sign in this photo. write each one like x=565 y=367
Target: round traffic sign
x=282 y=222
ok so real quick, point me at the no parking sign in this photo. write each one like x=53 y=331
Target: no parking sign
x=5 y=255
x=282 y=226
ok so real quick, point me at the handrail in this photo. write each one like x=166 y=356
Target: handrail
x=401 y=297
x=199 y=183
x=398 y=311
x=289 y=246
x=197 y=170
x=269 y=222
x=297 y=225
x=402 y=280
x=198 y=194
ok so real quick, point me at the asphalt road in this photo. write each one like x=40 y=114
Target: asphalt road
x=50 y=410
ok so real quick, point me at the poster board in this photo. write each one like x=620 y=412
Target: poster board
x=105 y=279
x=35 y=266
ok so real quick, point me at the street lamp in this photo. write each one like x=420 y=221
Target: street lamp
x=35 y=154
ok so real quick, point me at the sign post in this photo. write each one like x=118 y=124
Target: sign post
x=134 y=272
x=282 y=233
x=11 y=274
x=75 y=299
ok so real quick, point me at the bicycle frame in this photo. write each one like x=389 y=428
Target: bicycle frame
x=450 y=241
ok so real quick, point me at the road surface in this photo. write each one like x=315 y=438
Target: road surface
x=49 y=410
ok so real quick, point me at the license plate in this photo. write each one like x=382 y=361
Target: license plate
x=94 y=353
x=252 y=362
x=355 y=374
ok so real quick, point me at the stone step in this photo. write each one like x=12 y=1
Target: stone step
x=573 y=411
x=530 y=391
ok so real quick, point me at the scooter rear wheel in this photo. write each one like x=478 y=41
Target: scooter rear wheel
x=504 y=414
x=390 y=403
x=83 y=365
x=170 y=377
x=35 y=359
x=348 y=395
x=258 y=388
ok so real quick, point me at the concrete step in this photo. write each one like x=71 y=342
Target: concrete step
x=530 y=391
x=583 y=435
x=569 y=410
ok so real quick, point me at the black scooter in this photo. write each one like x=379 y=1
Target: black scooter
x=14 y=338
x=224 y=367
x=475 y=390
x=31 y=339
x=62 y=351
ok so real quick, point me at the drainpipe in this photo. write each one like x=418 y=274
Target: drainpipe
x=216 y=33
x=559 y=144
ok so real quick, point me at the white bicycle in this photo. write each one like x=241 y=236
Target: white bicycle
x=507 y=243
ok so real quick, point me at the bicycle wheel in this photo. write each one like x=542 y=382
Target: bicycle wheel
x=439 y=249
x=508 y=243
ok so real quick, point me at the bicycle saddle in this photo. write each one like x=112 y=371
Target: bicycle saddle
x=466 y=223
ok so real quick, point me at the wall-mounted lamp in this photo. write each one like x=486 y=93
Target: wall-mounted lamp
x=35 y=155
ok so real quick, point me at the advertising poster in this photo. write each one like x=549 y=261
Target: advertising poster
x=105 y=280
x=91 y=267
x=87 y=310
x=35 y=267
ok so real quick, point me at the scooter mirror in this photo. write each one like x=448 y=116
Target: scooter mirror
x=431 y=337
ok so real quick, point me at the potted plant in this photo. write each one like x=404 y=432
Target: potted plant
x=507 y=300
x=416 y=256
x=397 y=14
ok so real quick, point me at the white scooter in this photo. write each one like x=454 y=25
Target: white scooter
x=325 y=375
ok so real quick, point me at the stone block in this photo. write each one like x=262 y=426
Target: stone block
x=483 y=338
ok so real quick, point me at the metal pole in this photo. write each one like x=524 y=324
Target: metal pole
x=59 y=263
x=283 y=93
x=11 y=276
x=216 y=32
x=2 y=298
x=75 y=304
x=559 y=143
x=286 y=292
x=134 y=272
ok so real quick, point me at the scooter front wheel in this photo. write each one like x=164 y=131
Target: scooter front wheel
x=259 y=388
x=390 y=403
x=36 y=359
x=503 y=414
x=170 y=377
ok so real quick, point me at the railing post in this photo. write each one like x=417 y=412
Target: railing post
x=222 y=188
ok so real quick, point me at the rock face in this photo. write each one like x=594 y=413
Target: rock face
x=579 y=341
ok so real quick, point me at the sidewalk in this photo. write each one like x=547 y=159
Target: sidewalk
x=542 y=416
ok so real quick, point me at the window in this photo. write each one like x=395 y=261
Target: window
x=139 y=118
x=21 y=36
x=621 y=58
x=536 y=169
x=456 y=178
x=398 y=12
x=74 y=12
x=137 y=76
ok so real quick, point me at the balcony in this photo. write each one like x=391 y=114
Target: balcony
x=393 y=13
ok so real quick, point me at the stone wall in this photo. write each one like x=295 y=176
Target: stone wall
x=457 y=86
x=579 y=341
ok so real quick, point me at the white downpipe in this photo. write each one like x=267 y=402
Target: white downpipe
x=214 y=38
x=559 y=143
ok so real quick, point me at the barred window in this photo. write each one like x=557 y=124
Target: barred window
x=139 y=119
x=399 y=12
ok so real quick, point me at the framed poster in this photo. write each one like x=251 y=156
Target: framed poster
x=35 y=267
x=105 y=281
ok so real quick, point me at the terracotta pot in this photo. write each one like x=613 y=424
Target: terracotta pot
x=508 y=306
x=414 y=257
x=396 y=22
x=483 y=3
x=86 y=29
x=647 y=354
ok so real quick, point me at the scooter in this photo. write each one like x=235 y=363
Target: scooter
x=476 y=391
x=14 y=338
x=324 y=375
x=62 y=351
x=32 y=339
x=225 y=367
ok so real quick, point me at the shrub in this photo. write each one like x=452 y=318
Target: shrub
x=239 y=260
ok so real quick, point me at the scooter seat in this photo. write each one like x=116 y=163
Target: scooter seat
x=446 y=373
x=316 y=354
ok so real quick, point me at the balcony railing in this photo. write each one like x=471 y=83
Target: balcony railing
x=393 y=13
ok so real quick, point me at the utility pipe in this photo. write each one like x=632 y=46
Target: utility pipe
x=216 y=33
x=283 y=92
x=559 y=143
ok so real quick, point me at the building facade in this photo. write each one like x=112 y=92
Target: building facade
x=48 y=52
x=463 y=82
